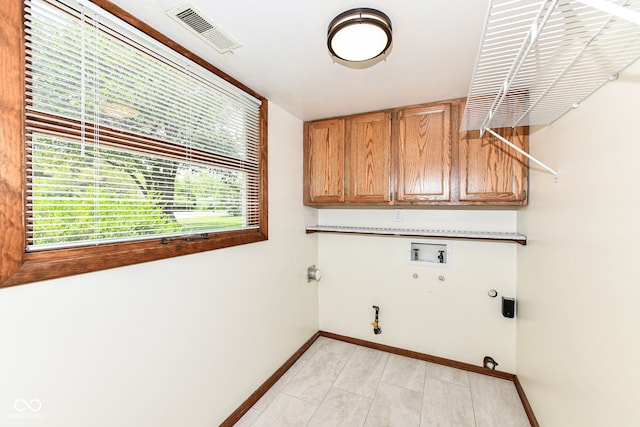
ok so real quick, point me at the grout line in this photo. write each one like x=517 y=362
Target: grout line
x=424 y=388
x=334 y=380
x=368 y=410
x=316 y=411
x=372 y=399
x=468 y=384
x=473 y=404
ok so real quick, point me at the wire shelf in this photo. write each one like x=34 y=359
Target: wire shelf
x=539 y=59
x=416 y=232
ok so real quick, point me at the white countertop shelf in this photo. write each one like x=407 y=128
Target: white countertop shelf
x=414 y=232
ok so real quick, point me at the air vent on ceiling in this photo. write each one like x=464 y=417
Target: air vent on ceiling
x=195 y=21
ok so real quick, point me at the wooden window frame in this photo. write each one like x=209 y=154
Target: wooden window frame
x=19 y=267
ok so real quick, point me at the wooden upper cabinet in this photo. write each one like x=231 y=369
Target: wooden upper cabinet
x=424 y=154
x=324 y=166
x=412 y=156
x=491 y=172
x=369 y=158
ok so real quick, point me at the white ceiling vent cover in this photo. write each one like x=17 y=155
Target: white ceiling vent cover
x=196 y=22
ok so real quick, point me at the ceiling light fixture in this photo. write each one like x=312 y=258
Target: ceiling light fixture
x=359 y=35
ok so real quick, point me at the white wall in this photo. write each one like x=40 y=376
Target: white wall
x=578 y=333
x=178 y=342
x=454 y=318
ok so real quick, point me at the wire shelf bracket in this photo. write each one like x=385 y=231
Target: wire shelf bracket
x=524 y=153
x=538 y=59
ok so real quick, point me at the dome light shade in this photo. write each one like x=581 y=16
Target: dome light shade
x=359 y=35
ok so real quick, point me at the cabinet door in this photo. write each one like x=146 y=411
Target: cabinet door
x=369 y=158
x=491 y=172
x=424 y=154
x=324 y=162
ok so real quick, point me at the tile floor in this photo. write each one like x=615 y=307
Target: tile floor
x=336 y=383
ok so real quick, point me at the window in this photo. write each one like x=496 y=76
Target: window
x=130 y=151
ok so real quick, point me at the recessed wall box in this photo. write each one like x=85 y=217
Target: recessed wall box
x=429 y=253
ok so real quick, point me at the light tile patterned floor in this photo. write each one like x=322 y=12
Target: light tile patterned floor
x=336 y=383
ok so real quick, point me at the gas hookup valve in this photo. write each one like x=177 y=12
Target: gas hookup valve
x=376 y=328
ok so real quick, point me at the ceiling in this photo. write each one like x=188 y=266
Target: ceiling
x=284 y=55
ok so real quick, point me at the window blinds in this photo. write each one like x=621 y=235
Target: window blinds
x=128 y=140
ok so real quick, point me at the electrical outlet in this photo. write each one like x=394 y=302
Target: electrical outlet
x=397 y=215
